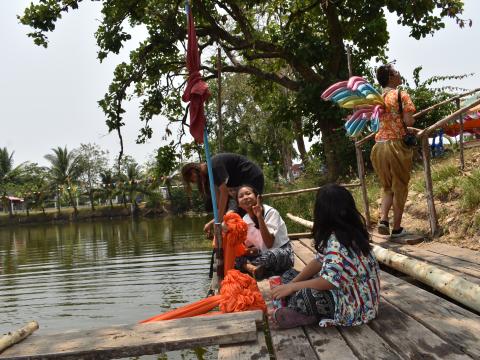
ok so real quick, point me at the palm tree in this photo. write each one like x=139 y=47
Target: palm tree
x=8 y=175
x=132 y=184
x=65 y=170
x=108 y=186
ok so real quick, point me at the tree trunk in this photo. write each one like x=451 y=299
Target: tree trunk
x=169 y=188
x=336 y=149
x=90 y=196
x=297 y=127
x=111 y=203
x=72 y=202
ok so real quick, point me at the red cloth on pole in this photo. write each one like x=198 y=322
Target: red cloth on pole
x=197 y=90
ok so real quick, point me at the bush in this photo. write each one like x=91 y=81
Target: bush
x=471 y=193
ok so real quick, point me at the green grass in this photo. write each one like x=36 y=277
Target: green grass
x=470 y=187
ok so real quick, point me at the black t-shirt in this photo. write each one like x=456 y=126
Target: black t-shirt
x=234 y=170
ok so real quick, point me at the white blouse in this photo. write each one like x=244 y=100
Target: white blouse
x=276 y=226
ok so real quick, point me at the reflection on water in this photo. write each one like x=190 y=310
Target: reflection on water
x=90 y=275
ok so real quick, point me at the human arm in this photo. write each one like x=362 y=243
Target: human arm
x=408 y=109
x=299 y=283
x=267 y=237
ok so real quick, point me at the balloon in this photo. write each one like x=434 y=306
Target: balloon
x=353 y=80
x=341 y=95
x=326 y=94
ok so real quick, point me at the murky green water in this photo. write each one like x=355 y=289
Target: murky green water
x=92 y=275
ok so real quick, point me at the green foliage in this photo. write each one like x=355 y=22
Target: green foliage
x=426 y=94
x=298 y=45
x=180 y=203
x=470 y=192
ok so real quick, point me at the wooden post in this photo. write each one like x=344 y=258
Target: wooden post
x=219 y=101
x=462 y=159
x=361 y=176
x=432 y=214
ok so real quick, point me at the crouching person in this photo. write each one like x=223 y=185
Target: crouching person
x=269 y=251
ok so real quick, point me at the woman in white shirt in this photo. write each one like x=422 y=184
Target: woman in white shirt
x=269 y=251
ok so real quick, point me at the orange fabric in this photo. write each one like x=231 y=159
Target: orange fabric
x=391 y=126
x=239 y=292
x=233 y=240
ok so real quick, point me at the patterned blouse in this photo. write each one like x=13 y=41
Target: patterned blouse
x=391 y=126
x=357 y=285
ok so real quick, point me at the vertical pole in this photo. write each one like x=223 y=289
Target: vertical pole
x=361 y=176
x=217 y=222
x=432 y=214
x=219 y=100
x=462 y=159
x=349 y=61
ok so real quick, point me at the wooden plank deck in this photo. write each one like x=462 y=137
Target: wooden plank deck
x=139 y=339
x=412 y=324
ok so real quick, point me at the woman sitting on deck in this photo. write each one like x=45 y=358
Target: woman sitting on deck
x=341 y=285
x=269 y=250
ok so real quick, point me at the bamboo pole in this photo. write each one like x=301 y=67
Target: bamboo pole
x=457 y=97
x=349 y=61
x=294 y=192
x=432 y=213
x=462 y=159
x=445 y=120
x=361 y=176
x=453 y=286
x=16 y=336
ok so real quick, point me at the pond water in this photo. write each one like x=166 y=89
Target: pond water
x=92 y=275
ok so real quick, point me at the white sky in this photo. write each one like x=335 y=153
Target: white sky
x=48 y=97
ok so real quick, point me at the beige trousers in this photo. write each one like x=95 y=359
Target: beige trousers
x=392 y=162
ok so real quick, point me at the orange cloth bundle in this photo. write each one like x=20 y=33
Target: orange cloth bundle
x=239 y=292
x=233 y=240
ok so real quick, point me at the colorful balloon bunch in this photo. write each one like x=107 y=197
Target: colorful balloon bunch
x=356 y=93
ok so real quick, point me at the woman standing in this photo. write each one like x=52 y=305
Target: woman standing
x=391 y=158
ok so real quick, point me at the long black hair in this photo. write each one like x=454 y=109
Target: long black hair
x=243 y=212
x=335 y=212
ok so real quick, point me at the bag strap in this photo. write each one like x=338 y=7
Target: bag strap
x=400 y=109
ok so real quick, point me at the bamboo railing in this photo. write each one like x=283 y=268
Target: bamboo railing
x=422 y=136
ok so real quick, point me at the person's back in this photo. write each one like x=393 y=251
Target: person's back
x=355 y=276
x=235 y=170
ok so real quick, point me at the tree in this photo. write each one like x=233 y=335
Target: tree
x=33 y=186
x=92 y=160
x=65 y=170
x=299 y=45
x=9 y=175
x=166 y=160
x=132 y=183
x=108 y=186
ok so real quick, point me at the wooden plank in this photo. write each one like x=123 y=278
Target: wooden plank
x=410 y=338
x=287 y=343
x=248 y=350
x=139 y=339
x=411 y=239
x=329 y=343
x=296 y=236
x=367 y=344
x=449 y=321
x=455 y=252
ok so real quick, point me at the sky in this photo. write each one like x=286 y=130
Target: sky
x=48 y=97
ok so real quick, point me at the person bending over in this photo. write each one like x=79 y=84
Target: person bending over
x=229 y=171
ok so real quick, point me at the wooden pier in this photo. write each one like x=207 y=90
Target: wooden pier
x=412 y=324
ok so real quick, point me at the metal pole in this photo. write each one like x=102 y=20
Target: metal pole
x=217 y=222
x=219 y=100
